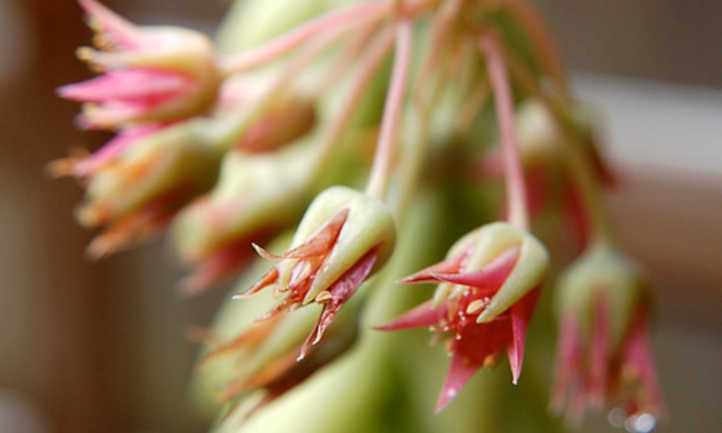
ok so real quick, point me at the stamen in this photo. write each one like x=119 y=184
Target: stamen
x=475 y=306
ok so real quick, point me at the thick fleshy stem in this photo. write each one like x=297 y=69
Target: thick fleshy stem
x=513 y=173
x=381 y=168
x=369 y=65
x=580 y=166
x=539 y=35
x=344 y=18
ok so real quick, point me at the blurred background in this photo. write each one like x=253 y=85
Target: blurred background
x=99 y=347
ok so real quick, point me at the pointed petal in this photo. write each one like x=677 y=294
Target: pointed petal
x=107 y=115
x=448 y=266
x=567 y=361
x=215 y=268
x=252 y=336
x=637 y=354
x=122 y=32
x=129 y=85
x=422 y=316
x=340 y=291
x=112 y=149
x=491 y=277
x=322 y=242
x=521 y=313
x=269 y=278
x=460 y=371
x=598 y=353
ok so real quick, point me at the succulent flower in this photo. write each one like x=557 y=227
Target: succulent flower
x=281 y=115
x=149 y=73
x=603 y=354
x=136 y=192
x=488 y=287
x=344 y=236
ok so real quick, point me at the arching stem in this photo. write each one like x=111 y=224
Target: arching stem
x=513 y=173
x=344 y=18
x=580 y=167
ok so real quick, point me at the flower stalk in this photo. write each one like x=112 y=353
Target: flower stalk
x=501 y=90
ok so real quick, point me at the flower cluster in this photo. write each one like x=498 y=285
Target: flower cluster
x=227 y=147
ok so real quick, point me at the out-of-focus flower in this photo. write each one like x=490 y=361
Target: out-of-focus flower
x=542 y=150
x=256 y=195
x=136 y=192
x=488 y=287
x=344 y=236
x=603 y=354
x=149 y=73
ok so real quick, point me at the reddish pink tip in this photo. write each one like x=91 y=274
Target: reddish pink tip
x=460 y=371
x=421 y=316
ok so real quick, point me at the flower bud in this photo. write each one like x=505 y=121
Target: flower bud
x=149 y=73
x=138 y=191
x=344 y=236
x=256 y=195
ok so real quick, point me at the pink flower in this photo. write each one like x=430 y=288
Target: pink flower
x=149 y=73
x=474 y=343
x=604 y=356
x=590 y=373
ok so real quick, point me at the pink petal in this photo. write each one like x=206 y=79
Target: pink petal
x=636 y=352
x=222 y=264
x=113 y=148
x=521 y=313
x=133 y=85
x=567 y=362
x=341 y=291
x=599 y=351
x=490 y=277
x=103 y=116
x=120 y=30
x=421 y=316
x=460 y=371
x=449 y=265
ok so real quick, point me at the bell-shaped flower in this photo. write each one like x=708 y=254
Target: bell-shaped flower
x=488 y=288
x=149 y=73
x=255 y=197
x=344 y=236
x=603 y=354
x=136 y=192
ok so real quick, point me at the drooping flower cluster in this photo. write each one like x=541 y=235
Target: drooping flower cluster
x=228 y=149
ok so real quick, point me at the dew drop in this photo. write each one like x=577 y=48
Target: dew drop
x=642 y=423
